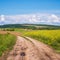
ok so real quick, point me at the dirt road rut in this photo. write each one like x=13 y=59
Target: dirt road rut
x=30 y=49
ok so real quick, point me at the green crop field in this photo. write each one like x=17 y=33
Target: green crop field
x=49 y=37
x=6 y=42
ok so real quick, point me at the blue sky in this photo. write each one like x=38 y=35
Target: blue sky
x=13 y=7
x=30 y=11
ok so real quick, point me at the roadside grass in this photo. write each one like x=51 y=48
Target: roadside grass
x=6 y=42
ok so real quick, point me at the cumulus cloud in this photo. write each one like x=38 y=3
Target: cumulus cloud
x=2 y=18
x=30 y=18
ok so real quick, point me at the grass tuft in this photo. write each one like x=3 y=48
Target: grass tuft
x=6 y=42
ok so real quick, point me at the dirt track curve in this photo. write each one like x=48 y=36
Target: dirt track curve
x=30 y=49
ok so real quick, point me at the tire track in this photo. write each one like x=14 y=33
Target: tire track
x=30 y=49
x=47 y=52
x=32 y=52
x=40 y=55
x=25 y=46
x=19 y=47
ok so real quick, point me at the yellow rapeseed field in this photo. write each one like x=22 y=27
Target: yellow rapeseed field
x=50 y=37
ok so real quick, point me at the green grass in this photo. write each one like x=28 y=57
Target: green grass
x=6 y=42
x=49 y=37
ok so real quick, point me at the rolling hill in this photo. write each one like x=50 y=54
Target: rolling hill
x=30 y=26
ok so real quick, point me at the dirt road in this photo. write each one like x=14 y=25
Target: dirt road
x=30 y=49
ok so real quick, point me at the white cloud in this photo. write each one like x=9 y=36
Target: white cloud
x=30 y=18
x=2 y=18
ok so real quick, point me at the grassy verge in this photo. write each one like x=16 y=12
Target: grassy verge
x=6 y=42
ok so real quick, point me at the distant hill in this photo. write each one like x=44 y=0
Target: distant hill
x=30 y=26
